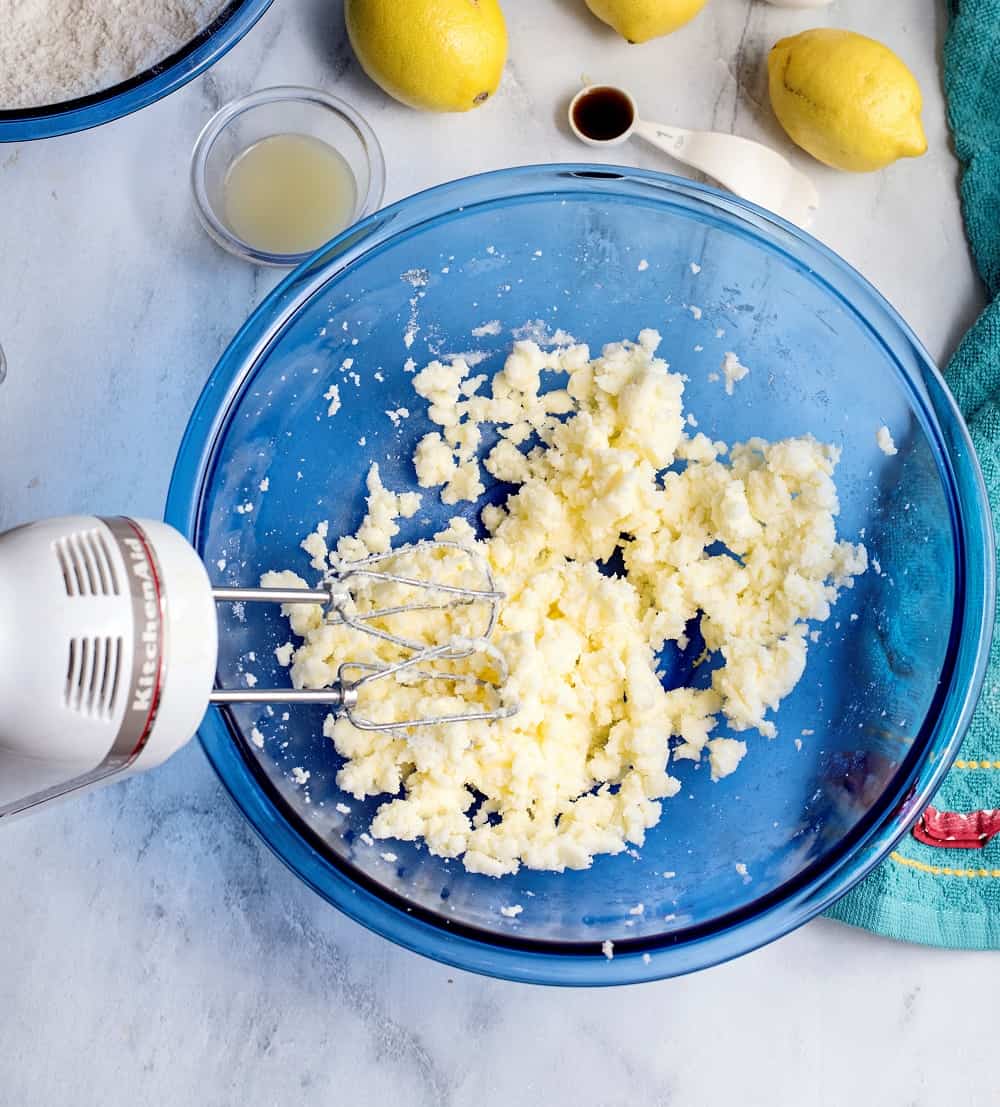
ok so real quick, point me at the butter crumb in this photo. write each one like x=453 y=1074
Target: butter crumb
x=883 y=438
x=733 y=371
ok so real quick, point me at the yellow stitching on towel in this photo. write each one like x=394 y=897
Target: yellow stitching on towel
x=942 y=870
x=974 y=764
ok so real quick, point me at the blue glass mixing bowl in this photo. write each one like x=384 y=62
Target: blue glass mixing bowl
x=603 y=253
x=205 y=49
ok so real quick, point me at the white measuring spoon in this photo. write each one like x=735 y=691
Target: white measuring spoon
x=747 y=168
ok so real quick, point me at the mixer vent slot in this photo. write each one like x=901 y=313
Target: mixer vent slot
x=93 y=675
x=86 y=564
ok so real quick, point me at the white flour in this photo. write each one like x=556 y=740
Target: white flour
x=55 y=50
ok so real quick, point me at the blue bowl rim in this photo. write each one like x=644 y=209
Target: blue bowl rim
x=799 y=899
x=126 y=97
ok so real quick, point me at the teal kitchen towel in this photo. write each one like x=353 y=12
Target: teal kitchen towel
x=930 y=889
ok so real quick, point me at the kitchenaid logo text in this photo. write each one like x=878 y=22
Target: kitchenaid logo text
x=148 y=646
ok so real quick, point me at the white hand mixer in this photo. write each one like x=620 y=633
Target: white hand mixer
x=108 y=651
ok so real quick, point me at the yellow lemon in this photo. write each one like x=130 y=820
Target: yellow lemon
x=439 y=55
x=846 y=99
x=641 y=20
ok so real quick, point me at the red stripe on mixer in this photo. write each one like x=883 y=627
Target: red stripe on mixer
x=154 y=569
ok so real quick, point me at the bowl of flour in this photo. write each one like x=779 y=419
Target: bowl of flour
x=67 y=65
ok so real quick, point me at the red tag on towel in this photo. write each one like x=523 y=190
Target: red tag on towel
x=953 y=830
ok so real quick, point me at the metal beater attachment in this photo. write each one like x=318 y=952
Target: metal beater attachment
x=344 y=696
x=348 y=585
x=347 y=598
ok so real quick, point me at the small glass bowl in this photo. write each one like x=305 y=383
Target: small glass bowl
x=272 y=111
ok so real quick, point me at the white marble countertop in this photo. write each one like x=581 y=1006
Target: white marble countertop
x=151 y=950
